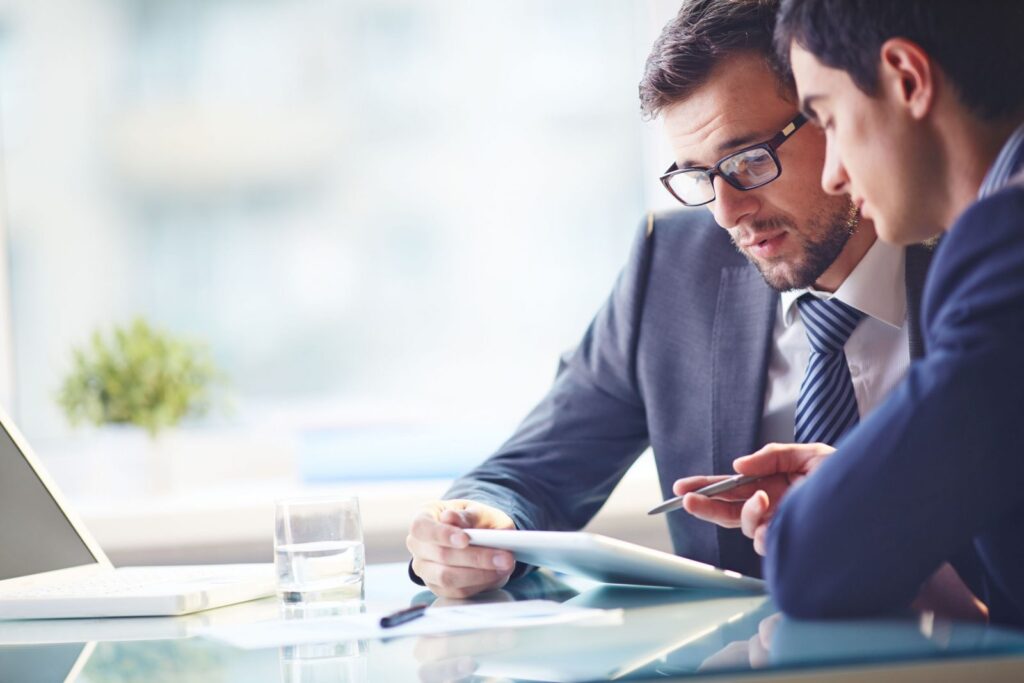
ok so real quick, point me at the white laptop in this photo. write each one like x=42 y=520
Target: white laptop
x=51 y=567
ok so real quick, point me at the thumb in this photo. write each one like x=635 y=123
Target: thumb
x=753 y=513
x=757 y=504
x=464 y=519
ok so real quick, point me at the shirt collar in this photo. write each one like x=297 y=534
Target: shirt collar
x=876 y=287
x=1007 y=163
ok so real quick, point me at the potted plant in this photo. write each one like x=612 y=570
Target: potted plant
x=142 y=377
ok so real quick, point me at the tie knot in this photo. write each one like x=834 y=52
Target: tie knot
x=829 y=323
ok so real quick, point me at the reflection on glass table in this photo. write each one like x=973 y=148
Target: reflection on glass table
x=53 y=662
x=665 y=634
x=657 y=622
x=671 y=633
x=338 y=662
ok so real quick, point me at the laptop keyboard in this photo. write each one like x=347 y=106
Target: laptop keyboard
x=137 y=581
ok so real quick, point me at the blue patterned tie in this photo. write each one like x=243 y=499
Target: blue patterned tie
x=827 y=406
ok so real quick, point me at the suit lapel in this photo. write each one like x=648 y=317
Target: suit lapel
x=918 y=258
x=741 y=346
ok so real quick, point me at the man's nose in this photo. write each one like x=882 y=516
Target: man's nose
x=731 y=206
x=834 y=179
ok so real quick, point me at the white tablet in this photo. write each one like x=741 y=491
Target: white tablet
x=610 y=560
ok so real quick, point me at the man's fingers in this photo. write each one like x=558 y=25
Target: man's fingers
x=775 y=486
x=443 y=558
x=688 y=484
x=465 y=519
x=721 y=512
x=425 y=527
x=776 y=458
x=692 y=484
x=740 y=493
x=472 y=557
x=455 y=581
x=761 y=540
x=753 y=513
x=769 y=460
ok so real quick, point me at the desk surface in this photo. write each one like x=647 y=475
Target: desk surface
x=664 y=635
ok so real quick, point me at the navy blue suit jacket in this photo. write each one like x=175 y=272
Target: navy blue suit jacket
x=676 y=359
x=937 y=472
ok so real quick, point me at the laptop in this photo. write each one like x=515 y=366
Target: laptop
x=52 y=567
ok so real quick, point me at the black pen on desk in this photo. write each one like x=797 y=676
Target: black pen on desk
x=403 y=616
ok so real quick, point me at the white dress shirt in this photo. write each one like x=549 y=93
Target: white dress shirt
x=877 y=352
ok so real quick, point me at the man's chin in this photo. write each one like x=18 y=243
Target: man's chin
x=905 y=233
x=782 y=277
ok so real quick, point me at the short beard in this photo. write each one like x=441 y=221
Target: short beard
x=825 y=240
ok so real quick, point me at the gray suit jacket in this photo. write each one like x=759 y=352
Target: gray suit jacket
x=676 y=359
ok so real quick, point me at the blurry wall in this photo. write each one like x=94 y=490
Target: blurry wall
x=368 y=209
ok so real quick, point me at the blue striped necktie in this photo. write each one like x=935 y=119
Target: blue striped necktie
x=827 y=406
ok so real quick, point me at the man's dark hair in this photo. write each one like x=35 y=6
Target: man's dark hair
x=976 y=43
x=701 y=36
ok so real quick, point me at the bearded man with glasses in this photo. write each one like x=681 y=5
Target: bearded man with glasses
x=696 y=354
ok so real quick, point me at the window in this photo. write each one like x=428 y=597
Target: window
x=385 y=218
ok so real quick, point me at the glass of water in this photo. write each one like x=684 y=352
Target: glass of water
x=318 y=550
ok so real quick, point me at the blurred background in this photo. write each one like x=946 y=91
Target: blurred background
x=384 y=220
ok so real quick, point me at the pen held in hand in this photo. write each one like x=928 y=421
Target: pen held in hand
x=709 y=490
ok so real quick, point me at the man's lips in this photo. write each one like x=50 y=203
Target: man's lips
x=769 y=246
x=760 y=239
x=859 y=203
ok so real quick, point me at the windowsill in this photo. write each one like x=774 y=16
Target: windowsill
x=217 y=488
x=235 y=524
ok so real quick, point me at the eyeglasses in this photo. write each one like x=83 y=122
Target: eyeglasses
x=745 y=169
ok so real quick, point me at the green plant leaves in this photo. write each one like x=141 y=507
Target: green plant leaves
x=139 y=376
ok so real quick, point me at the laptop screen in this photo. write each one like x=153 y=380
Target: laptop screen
x=34 y=533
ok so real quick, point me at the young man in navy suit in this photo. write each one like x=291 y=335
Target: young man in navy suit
x=922 y=105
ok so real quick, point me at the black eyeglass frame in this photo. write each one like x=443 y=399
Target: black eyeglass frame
x=769 y=146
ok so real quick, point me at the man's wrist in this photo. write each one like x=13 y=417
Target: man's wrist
x=521 y=569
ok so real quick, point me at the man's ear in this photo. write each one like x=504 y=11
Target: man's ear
x=907 y=76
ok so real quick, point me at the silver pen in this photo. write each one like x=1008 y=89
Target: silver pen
x=709 y=490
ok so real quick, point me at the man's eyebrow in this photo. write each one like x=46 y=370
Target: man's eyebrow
x=733 y=143
x=807 y=107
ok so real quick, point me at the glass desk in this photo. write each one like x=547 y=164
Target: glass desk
x=664 y=634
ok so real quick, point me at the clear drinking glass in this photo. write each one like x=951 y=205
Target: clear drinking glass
x=318 y=550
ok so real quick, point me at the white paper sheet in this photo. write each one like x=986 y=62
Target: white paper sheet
x=436 y=620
